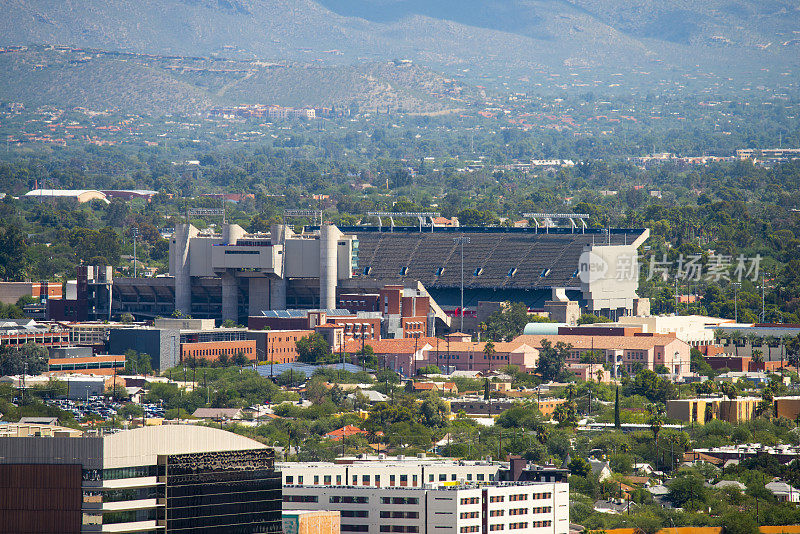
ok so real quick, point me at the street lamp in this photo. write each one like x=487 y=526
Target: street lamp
x=461 y=240
x=736 y=301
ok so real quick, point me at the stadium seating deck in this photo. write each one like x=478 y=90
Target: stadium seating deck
x=535 y=260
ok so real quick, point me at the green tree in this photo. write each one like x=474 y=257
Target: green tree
x=579 y=467
x=313 y=349
x=553 y=360
x=617 y=420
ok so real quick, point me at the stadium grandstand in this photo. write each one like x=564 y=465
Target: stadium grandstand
x=516 y=264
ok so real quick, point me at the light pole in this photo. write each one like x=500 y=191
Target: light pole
x=461 y=240
x=135 y=235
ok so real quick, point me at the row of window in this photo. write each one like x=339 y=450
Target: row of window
x=300 y=498
x=496 y=513
x=399 y=500
x=217 y=352
x=473 y=528
x=354 y=513
x=518 y=497
x=518 y=511
x=545 y=495
x=542 y=510
x=354 y=528
x=497 y=498
x=385 y=514
x=367 y=479
x=515 y=526
x=349 y=499
x=470 y=500
x=493 y=528
x=399 y=528
x=469 y=515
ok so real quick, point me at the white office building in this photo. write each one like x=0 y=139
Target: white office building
x=393 y=472
x=518 y=508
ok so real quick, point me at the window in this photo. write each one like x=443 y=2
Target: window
x=538 y=524
x=439 y=271
x=404 y=480
x=430 y=478
x=542 y=510
x=316 y=479
x=414 y=480
x=466 y=530
x=399 y=500
x=338 y=480
x=348 y=499
x=377 y=480
x=469 y=476
x=453 y=476
x=300 y=479
x=544 y=273
x=470 y=500
x=497 y=498
x=496 y=527
x=327 y=480
x=386 y=514
x=512 y=272
x=403 y=271
x=289 y=480
x=354 y=528
x=478 y=271
x=515 y=526
x=354 y=513
x=480 y=477
x=365 y=480
x=496 y=513
x=518 y=511
x=518 y=497
x=300 y=498
x=442 y=477
x=469 y=515
x=391 y=480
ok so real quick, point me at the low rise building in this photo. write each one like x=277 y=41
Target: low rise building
x=703 y=410
x=624 y=348
x=516 y=507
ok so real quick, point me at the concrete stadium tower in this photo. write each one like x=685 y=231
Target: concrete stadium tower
x=329 y=237
x=180 y=267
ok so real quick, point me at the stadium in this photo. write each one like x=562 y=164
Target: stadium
x=234 y=275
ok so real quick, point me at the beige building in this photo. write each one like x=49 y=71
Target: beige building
x=628 y=352
x=703 y=410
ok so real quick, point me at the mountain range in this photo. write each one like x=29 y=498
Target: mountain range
x=512 y=37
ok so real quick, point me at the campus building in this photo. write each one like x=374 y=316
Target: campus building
x=165 y=479
x=525 y=508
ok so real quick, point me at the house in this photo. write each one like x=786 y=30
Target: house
x=218 y=414
x=722 y=484
x=38 y=421
x=442 y=387
x=783 y=492
x=601 y=468
x=371 y=395
x=345 y=432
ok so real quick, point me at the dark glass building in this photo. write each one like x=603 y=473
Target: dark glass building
x=155 y=480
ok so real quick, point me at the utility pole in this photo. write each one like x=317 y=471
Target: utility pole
x=461 y=240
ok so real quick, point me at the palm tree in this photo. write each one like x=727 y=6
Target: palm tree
x=570 y=391
x=719 y=335
x=488 y=351
x=758 y=356
x=656 y=420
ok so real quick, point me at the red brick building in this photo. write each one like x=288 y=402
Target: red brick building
x=212 y=350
